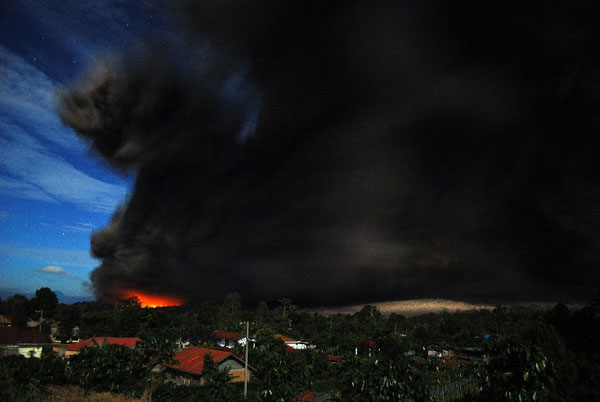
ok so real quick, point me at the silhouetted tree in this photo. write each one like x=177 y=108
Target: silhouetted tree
x=19 y=308
x=45 y=299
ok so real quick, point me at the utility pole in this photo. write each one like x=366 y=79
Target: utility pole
x=246 y=362
x=41 y=317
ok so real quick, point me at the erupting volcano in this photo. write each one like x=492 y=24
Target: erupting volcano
x=153 y=301
x=341 y=152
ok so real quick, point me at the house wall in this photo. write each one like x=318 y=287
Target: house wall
x=236 y=370
x=30 y=351
x=9 y=350
x=181 y=378
x=63 y=352
x=238 y=375
x=225 y=343
x=23 y=350
x=231 y=364
x=229 y=343
x=242 y=342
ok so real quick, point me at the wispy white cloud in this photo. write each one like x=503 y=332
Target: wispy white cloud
x=33 y=143
x=27 y=98
x=53 y=269
x=82 y=25
x=56 y=270
x=81 y=227
x=20 y=189
x=3 y=214
x=43 y=175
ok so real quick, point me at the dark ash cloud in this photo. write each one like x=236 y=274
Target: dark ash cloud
x=420 y=149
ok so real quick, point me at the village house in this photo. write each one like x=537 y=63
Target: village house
x=14 y=342
x=54 y=331
x=292 y=344
x=364 y=347
x=439 y=351
x=5 y=320
x=33 y=324
x=189 y=369
x=75 y=348
x=227 y=339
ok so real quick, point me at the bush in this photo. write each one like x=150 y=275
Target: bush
x=112 y=368
x=518 y=372
x=380 y=379
x=23 y=379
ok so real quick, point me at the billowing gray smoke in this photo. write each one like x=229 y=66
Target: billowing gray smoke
x=402 y=149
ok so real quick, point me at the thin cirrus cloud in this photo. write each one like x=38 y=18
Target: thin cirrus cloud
x=34 y=143
x=27 y=98
x=82 y=227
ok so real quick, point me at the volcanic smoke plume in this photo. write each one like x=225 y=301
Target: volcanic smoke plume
x=336 y=151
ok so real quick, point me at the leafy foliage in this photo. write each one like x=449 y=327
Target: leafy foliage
x=518 y=372
x=45 y=299
x=23 y=379
x=381 y=379
x=283 y=373
x=111 y=368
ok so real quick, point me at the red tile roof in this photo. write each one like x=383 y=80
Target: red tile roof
x=306 y=396
x=232 y=351
x=334 y=358
x=15 y=335
x=285 y=338
x=367 y=342
x=5 y=319
x=191 y=359
x=99 y=341
x=234 y=336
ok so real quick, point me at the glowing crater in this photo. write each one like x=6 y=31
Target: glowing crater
x=153 y=301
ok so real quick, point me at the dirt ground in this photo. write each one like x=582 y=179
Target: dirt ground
x=73 y=393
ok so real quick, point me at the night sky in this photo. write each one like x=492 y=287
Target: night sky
x=53 y=192
x=329 y=152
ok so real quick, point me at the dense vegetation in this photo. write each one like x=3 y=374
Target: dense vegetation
x=522 y=354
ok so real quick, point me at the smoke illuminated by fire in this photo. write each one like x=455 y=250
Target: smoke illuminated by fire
x=153 y=301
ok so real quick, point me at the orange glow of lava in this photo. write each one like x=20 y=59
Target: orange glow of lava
x=153 y=301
